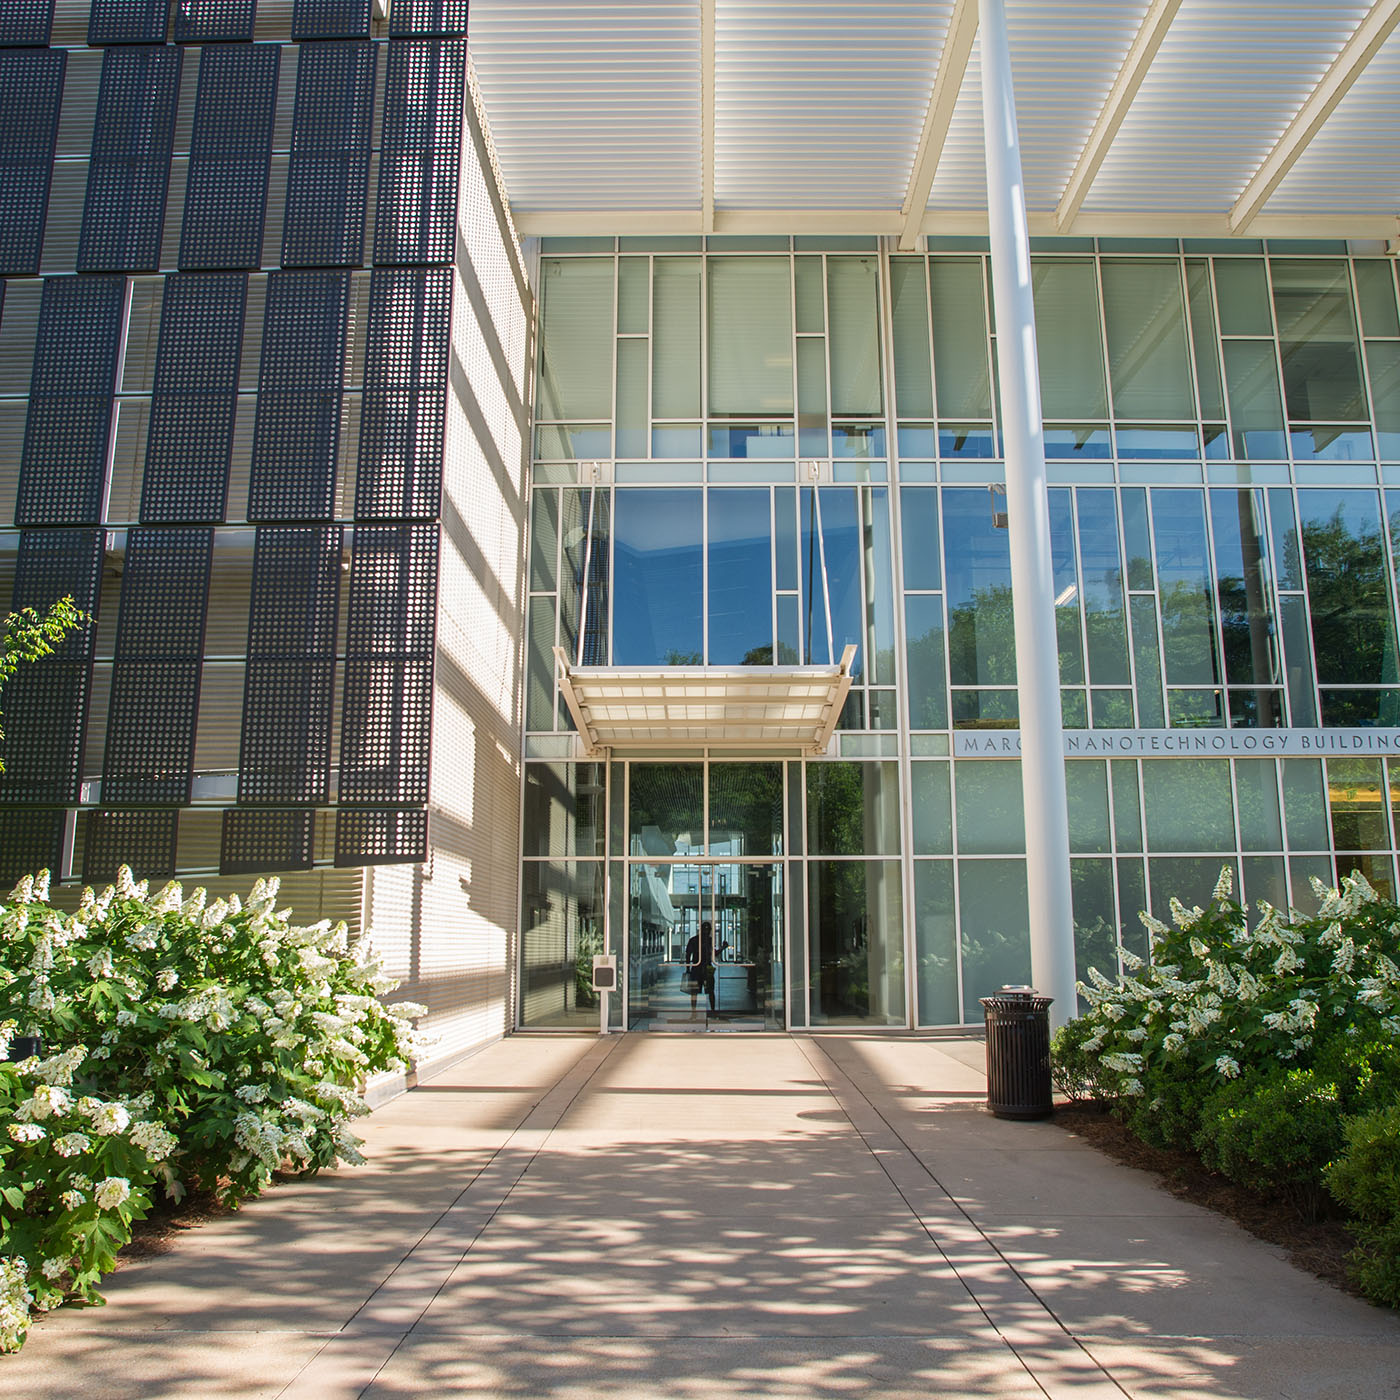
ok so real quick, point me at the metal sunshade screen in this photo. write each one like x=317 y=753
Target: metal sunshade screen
x=330 y=19
x=404 y=407
x=214 y=21
x=386 y=717
x=30 y=841
x=195 y=399
x=427 y=17
x=230 y=155
x=31 y=95
x=128 y=21
x=46 y=706
x=290 y=677
x=26 y=23
x=369 y=837
x=328 y=174
x=420 y=151
x=156 y=666
x=296 y=433
x=258 y=841
x=124 y=212
x=64 y=462
x=145 y=841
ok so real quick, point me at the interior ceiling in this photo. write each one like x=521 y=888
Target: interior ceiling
x=1185 y=117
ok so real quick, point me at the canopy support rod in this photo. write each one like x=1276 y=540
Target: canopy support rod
x=821 y=555
x=587 y=570
x=1027 y=505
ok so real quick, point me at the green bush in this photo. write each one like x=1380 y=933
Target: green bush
x=1273 y=1130
x=241 y=1038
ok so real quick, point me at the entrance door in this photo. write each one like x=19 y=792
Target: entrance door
x=669 y=986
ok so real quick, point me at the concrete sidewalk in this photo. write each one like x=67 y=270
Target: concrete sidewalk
x=811 y=1218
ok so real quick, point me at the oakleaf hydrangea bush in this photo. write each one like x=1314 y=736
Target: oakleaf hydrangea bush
x=192 y=1045
x=1271 y=1048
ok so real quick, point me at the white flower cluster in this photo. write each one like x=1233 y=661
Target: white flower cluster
x=15 y=1301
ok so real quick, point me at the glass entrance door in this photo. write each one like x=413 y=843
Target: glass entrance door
x=705 y=946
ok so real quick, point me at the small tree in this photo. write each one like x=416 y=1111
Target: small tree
x=25 y=636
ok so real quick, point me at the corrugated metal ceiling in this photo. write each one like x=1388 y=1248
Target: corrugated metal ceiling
x=602 y=114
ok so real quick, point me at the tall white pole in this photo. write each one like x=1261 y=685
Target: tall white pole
x=1027 y=506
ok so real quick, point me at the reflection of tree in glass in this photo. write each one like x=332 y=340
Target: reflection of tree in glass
x=1353 y=631
x=683 y=658
x=1188 y=635
x=982 y=639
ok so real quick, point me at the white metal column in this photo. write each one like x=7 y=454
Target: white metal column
x=1027 y=505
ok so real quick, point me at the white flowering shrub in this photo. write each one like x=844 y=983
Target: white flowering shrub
x=1253 y=1042
x=75 y=1171
x=215 y=1041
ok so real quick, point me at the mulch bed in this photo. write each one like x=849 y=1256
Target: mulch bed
x=1319 y=1246
x=160 y=1231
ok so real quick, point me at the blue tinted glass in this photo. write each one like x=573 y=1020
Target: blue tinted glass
x=741 y=588
x=1183 y=575
x=742 y=440
x=1242 y=573
x=657 y=566
x=1077 y=444
x=966 y=440
x=918 y=510
x=981 y=645
x=834 y=551
x=1158 y=444
x=857 y=440
x=1105 y=624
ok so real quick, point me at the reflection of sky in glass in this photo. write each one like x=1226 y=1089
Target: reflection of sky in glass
x=741 y=589
x=657 y=577
x=840 y=536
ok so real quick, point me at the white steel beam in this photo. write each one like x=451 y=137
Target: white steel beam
x=1120 y=97
x=707 y=116
x=1346 y=68
x=943 y=97
x=1028 y=511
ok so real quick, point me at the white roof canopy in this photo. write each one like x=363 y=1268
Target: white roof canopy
x=773 y=709
x=1207 y=118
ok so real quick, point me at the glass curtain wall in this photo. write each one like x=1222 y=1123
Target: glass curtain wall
x=798 y=439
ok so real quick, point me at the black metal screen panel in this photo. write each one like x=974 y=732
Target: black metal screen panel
x=420 y=151
x=46 y=705
x=235 y=111
x=368 y=837
x=143 y=840
x=328 y=176
x=260 y=839
x=195 y=399
x=124 y=212
x=386 y=718
x=30 y=841
x=331 y=19
x=296 y=433
x=403 y=418
x=31 y=94
x=64 y=461
x=214 y=21
x=156 y=668
x=127 y=21
x=26 y=23
x=290 y=677
x=427 y=17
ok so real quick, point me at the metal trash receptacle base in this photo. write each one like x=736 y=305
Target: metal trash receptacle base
x=1018 y=1054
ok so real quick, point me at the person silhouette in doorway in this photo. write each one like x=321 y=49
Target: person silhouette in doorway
x=700 y=966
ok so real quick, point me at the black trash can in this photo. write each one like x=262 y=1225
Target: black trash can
x=23 y=1046
x=1018 y=1053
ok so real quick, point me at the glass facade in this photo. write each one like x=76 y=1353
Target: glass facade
x=755 y=455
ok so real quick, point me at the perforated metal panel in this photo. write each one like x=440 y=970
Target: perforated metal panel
x=128 y=21
x=30 y=841
x=328 y=177
x=263 y=839
x=386 y=720
x=371 y=837
x=143 y=840
x=214 y=21
x=26 y=22
x=416 y=212
x=31 y=95
x=404 y=412
x=427 y=17
x=64 y=461
x=46 y=705
x=290 y=675
x=230 y=155
x=330 y=19
x=151 y=717
x=124 y=212
x=296 y=433
x=195 y=403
